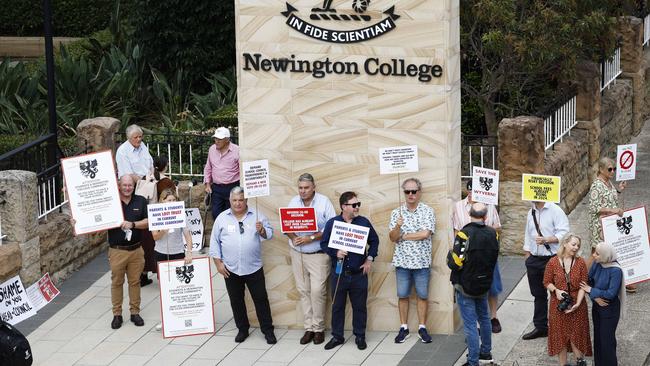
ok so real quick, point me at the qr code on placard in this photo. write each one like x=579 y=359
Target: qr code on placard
x=630 y=272
x=98 y=218
x=188 y=323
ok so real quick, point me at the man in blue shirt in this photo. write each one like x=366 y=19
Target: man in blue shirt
x=235 y=246
x=353 y=277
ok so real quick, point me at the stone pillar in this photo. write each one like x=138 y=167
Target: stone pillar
x=521 y=150
x=588 y=106
x=98 y=133
x=631 y=31
x=20 y=219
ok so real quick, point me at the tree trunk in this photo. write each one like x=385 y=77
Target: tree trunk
x=491 y=123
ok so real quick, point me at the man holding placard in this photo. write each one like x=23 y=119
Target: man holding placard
x=350 y=267
x=235 y=246
x=309 y=262
x=411 y=227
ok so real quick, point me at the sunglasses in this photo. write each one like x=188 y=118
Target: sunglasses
x=354 y=205
x=610 y=169
x=411 y=191
x=241 y=227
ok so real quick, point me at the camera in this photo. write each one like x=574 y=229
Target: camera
x=565 y=303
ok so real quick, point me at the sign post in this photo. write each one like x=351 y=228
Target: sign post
x=626 y=162
x=398 y=159
x=485 y=185
x=349 y=237
x=541 y=188
x=166 y=215
x=195 y=226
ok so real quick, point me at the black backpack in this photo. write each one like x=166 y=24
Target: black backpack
x=480 y=260
x=14 y=347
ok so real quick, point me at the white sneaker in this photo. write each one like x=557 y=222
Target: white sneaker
x=158 y=327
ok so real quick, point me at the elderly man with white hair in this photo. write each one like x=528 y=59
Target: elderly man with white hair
x=132 y=157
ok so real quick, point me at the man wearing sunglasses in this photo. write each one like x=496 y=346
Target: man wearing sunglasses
x=353 y=278
x=411 y=227
x=311 y=266
x=235 y=246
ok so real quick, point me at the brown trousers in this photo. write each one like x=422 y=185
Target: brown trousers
x=131 y=264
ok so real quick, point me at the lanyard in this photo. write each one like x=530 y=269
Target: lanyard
x=567 y=276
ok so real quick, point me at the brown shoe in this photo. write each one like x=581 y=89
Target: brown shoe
x=630 y=289
x=319 y=337
x=307 y=337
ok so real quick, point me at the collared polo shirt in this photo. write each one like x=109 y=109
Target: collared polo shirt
x=413 y=254
x=240 y=252
x=552 y=222
x=131 y=160
x=461 y=215
x=135 y=210
x=324 y=211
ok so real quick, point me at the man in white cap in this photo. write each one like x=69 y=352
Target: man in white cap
x=221 y=172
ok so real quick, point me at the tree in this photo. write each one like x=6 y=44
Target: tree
x=520 y=56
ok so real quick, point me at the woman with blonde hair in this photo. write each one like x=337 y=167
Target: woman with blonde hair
x=568 y=320
x=169 y=243
x=605 y=288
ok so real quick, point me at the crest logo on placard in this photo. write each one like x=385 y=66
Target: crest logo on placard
x=89 y=168
x=357 y=14
x=185 y=273
x=624 y=225
x=486 y=183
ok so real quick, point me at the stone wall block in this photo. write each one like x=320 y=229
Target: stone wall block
x=593 y=133
x=631 y=32
x=10 y=260
x=616 y=117
x=638 y=98
x=98 y=133
x=588 y=84
x=20 y=208
x=513 y=217
x=521 y=147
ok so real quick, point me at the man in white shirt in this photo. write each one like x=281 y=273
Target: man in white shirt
x=132 y=157
x=311 y=266
x=546 y=225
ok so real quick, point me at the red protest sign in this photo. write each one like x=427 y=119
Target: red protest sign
x=298 y=220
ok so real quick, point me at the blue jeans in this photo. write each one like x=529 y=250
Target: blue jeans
x=354 y=286
x=497 y=285
x=471 y=311
x=407 y=277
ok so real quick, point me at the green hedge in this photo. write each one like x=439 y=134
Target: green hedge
x=70 y=18
x=10 y=142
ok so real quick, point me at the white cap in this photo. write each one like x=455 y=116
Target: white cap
x=221 y=133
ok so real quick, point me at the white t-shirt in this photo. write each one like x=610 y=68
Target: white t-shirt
x=172 y=242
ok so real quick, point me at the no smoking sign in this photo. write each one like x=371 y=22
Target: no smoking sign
x=626 y=162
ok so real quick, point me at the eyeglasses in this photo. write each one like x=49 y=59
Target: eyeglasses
x=411 y=191
x=354 y=205
x=241 y=227
x=610 y=169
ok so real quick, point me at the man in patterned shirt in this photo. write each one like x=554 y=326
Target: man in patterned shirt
x=411 y=227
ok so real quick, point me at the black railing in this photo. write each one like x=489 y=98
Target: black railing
x=478 y=150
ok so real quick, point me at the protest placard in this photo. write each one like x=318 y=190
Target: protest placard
x=398 y=159
x=14 y=303
x=298 y=220
x=42 y=292
x=195 y=226
x=626 y=162
x=628 y=234
x=256 y=178
x=186 y=297
x=485 y=185
x=349 y=237
x=91 y=185
x=542 y=188
x=166 y=215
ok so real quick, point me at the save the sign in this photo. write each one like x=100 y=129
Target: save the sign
x=485 y=185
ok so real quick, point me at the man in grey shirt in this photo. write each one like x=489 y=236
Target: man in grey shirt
x=235 y=246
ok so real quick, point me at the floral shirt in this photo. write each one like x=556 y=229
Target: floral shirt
x=413 y=254
x=600 y=196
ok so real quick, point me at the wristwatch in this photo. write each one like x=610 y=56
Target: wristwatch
x=371 y=258
x=312 y=237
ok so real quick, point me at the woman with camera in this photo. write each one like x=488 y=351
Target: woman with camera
x=605 y=288
x=568 y=321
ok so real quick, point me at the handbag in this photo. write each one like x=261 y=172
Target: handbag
x=146 y=187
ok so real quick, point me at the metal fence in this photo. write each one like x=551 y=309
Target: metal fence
x=646 y=30
x=610 y=69
x=187 y=153
x=478 y=150
x=559 y=123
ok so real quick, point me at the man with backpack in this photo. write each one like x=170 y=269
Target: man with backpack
x=472 y=260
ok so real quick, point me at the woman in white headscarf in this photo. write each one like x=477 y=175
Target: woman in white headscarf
x=606 y=290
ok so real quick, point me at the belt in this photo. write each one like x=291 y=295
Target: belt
x=351 y=273
x=316 y=252
x=543 y=256
x=226 y=185
x=126 y=247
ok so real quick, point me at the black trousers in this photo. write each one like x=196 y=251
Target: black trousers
x=221 y=197
x=257 y=288
x=605 y=322
x=535 y=266
x=354 y=286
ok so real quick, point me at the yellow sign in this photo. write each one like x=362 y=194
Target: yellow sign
x=545 y=188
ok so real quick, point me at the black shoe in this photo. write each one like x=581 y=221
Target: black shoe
x=144 y=280
x=581 y=362
x=241 y=335
x=361 y=343
x=307 y=337
x=496 y=325
x=333 y=343
x=117 y=322
x=270 y=338
x=137 y=320
x=535 y=333
x=485 y=358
